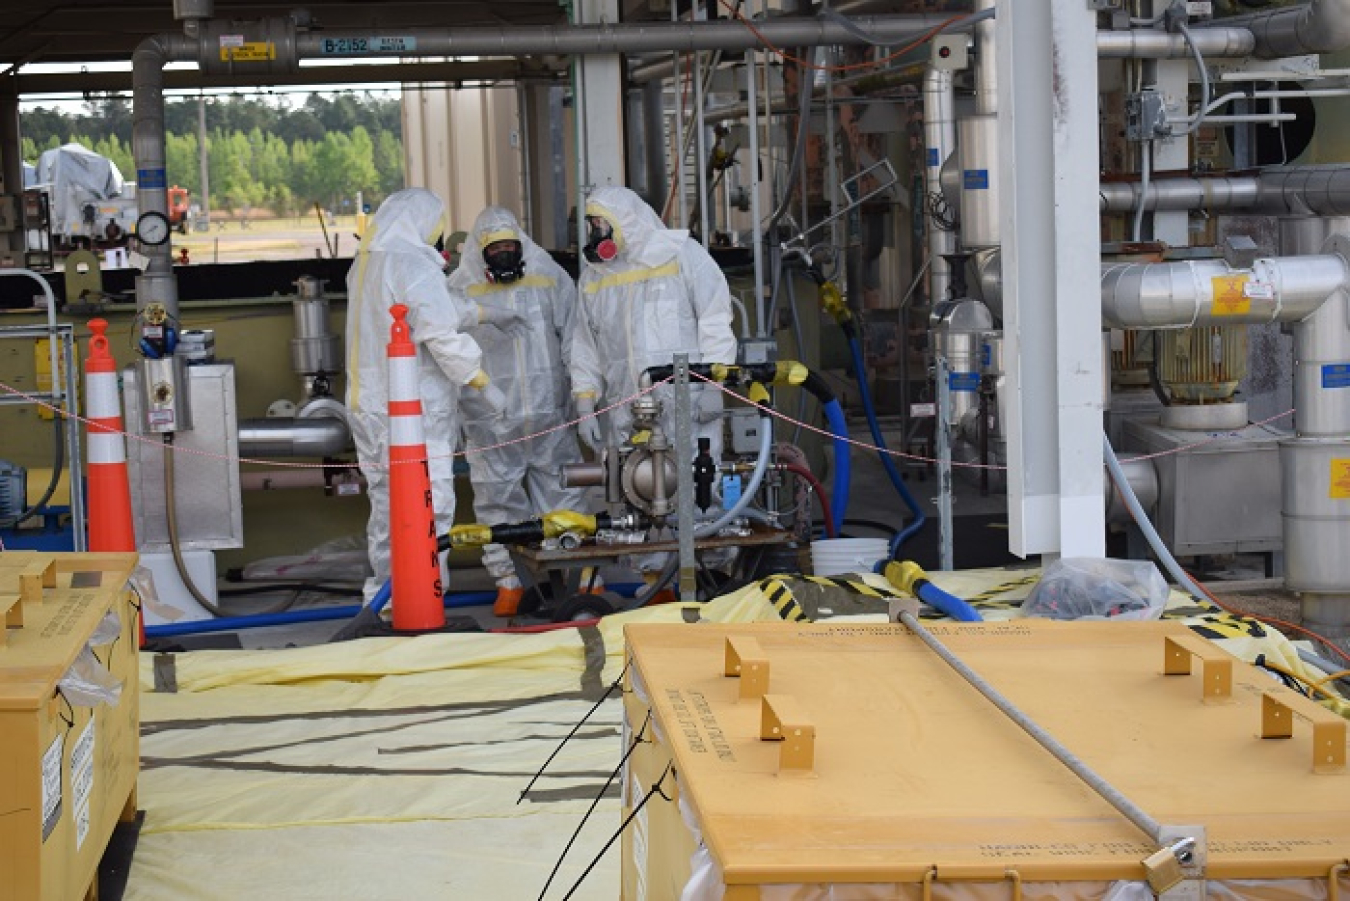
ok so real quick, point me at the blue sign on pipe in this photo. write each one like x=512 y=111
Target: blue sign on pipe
x=151 y=178
x=963 y=381
x=975 y=179
x=1336 y=375
x=933 y=160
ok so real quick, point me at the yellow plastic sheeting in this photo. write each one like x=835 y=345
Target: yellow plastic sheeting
x=482 y=859
x=386 y=767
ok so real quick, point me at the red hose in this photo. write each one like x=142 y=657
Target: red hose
x=801 y=472
x=546 y=627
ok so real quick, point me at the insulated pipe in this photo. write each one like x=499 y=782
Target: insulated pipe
x=1322 y=26
x=321 y=436
x=986 y=61
x=1222 y=193
x=644 y=37
x=1220 y=41
x=1208 y=292
x=1289 y=190
x=939 y=132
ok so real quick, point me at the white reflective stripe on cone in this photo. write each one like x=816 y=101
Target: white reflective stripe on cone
x=406 y=431
x=403 y=382
x=101 y=391
x=105 y=448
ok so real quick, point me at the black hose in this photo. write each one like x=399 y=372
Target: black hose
x=58 y=463
x=341 y=590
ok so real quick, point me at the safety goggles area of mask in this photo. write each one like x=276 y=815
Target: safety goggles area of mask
x=600 y=244
x=505 y=261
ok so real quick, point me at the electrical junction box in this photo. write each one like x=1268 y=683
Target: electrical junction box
x=951 y=52
x=745 y=425
x=756 y=351
x=1146 y=116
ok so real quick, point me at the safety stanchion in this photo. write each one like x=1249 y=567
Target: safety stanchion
x=109 y=487
x=415 y=569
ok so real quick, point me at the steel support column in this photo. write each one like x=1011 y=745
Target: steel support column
x=1051 y=252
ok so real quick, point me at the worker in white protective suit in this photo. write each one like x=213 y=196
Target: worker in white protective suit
x=645 y=294
x=515 y=480
x=398 y=263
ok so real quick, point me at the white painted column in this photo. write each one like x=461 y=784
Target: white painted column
x=599 y=107
x=1051 y=253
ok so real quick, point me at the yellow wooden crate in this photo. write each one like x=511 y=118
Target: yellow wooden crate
x=67 y=772
x=854 y=756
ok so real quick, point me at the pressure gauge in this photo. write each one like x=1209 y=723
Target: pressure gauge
x=152 y=228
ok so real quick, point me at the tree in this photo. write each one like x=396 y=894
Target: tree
x=388 y=164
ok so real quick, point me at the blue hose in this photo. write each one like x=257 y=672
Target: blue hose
x=919 y=517
x=843 y=467
x=291 y=617
x=948 y=603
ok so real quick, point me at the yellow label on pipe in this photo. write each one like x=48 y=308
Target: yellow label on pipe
x=252 y=52
x=1230 y=296
x=1340 y=479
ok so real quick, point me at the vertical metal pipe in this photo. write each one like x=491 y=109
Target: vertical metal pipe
x=752 y=97
x=684 y=489
x=654 y=118
x=701 y=143
x=204 y=159
x=944 y=464
x=939 y=127
x=986 y=62
x=524 y=123
x=679 y=129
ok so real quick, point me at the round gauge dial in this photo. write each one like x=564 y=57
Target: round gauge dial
x=152 y=228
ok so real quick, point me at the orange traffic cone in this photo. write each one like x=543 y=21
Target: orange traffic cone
x=109 y=489
x=415 y=570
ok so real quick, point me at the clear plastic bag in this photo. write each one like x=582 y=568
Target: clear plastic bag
x=88 y=682
x=340 y=560
x=1098 y=588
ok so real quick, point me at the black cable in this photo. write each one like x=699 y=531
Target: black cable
x=637 y=740
x=58 y=463
x=637 y=808
x=343 y=590
x=608 y=691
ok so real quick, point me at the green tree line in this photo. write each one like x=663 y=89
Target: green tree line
x=260 y=154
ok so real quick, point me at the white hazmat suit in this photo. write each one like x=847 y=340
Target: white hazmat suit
x=661 y=294
x=529 y=364
x=397 y=263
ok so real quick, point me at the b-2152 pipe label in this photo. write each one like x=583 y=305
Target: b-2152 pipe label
x=367 y=46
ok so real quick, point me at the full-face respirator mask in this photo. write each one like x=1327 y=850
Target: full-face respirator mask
x=505 y=262
x=600 y=245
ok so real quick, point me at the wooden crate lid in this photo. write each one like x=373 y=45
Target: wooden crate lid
x=50 y=603
x=909 y=767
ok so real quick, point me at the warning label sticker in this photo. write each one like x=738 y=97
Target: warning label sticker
x=252 y=52
x=1230 y=296
x=1340 y=479
x=51 y=786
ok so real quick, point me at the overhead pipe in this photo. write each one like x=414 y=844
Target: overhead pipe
x=1321 y=26
x=1284 y=191
x=637 y=37
x=1143 y=43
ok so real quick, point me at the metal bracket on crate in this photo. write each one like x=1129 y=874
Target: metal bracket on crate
x=1176 y=872
x=746 y=660
x=1278 y=706
x=1216 y=665
x=783 y=719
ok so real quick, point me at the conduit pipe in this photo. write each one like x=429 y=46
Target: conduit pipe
x=1322 y=26
x=1208 y=292
x=323 y=436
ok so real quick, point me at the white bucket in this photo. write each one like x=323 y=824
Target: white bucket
x=841 y=556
